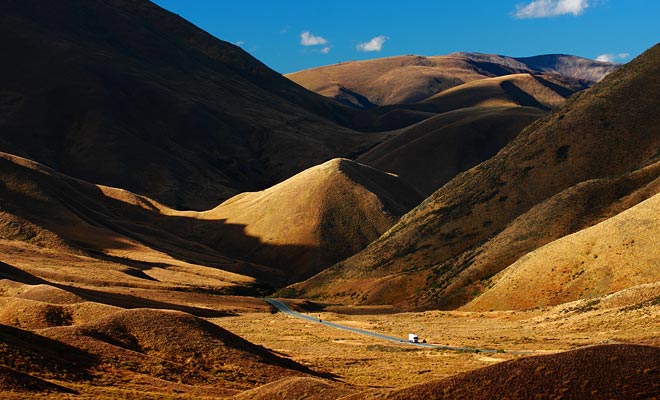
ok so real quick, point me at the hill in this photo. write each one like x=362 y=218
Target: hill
x=296 y=388
x=617 y=253
x=127 y=236
x=310 y=221
x=583 y=163
x=410 y=79
x=286 y=233
x=178 y=347
x=143 y=100
x=586 y=373
x=429 y=154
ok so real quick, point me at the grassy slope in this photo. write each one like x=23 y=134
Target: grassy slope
x=312 y=220
x=607 y=132
x=617 y=253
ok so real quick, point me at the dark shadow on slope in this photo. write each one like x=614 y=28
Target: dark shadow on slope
x=17 y=275
x=114 y=299
x=521 y=97
x=28 y=352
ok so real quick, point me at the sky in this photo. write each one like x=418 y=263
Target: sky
x=292 y=35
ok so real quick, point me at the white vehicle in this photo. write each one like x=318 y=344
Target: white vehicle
x=413 y=338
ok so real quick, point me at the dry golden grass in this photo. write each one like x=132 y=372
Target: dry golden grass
x=312 y=220
x=584 y=161
x=629 y=316
x=599 y=372
x=410 y=79
x=381 y=82
x=615 y=254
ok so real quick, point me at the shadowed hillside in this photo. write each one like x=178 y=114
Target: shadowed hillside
x=567 y=171
x=283 y=234
x=588 y=373
x=126 y=94
x=429 y=154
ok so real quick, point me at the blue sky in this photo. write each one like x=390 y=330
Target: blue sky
x=291 y=35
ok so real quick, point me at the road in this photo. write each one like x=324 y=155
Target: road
x=285 y=309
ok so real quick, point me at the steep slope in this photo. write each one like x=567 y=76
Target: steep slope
x=565 y=172
x=429 y=154
x=126 y=94
x=409 y=79
x=618 y=253
x=599 y=372
x=312 y=220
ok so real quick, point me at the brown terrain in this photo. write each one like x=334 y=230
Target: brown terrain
x=156 y=182
x=585 y=162
x=141 y=99
x=592 y=372
x=411 y=79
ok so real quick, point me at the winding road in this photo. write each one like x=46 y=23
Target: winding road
x=287 y=310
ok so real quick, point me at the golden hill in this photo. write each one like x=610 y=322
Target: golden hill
x=599 y=149
x=432 y=152
x=125 y=235
x=286 y=233
x=542 y=91
x=310 y=221
x=509 y=90
x=618 y=253
x=410 y=79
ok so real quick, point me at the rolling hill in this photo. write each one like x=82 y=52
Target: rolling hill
x=567 y=171
x=283 y=234
x=411 y=79
x=310 y=221
x=143 y=100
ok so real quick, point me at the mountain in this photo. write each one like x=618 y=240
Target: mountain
x=310 y=221
x=585 y=162
x=410 y=79
x=125 y=94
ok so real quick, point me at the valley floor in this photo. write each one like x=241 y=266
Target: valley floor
x=130 y=360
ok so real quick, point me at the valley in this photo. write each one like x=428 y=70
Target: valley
x=158 y=185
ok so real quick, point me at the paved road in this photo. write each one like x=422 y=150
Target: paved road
x=285 y=309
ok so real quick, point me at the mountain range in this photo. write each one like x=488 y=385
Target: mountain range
x=156 y=182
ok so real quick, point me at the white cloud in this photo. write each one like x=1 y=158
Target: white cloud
x=307 y=39
x=375 y=44
x=550 y=8
x=609 y=57
x=325 y=50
